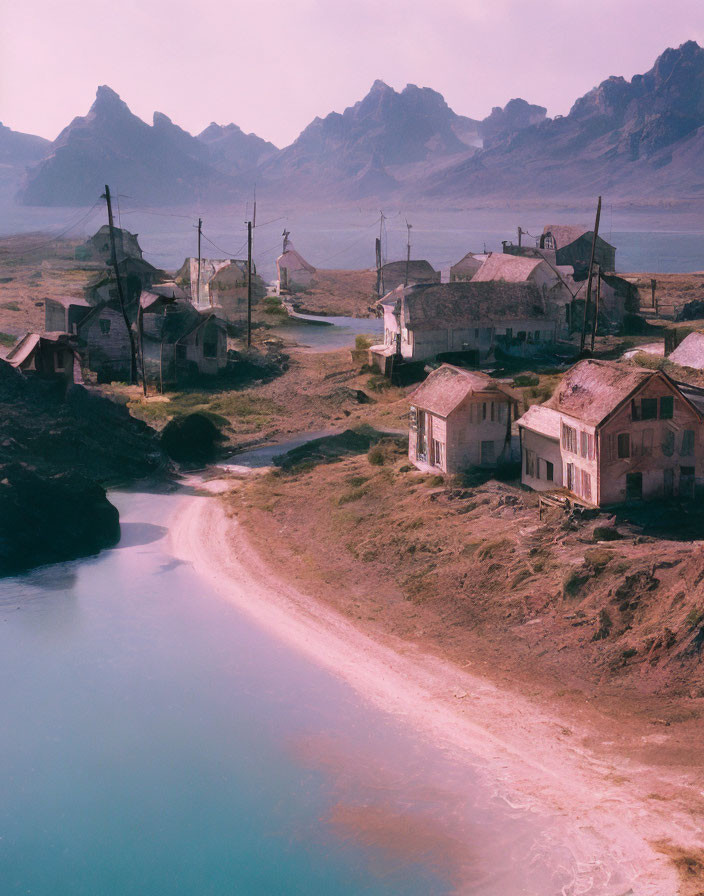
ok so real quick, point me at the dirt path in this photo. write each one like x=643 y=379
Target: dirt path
x=535 y=761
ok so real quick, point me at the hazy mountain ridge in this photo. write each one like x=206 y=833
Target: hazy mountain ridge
x=639 y=137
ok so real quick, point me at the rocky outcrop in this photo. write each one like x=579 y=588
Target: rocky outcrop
x=49 y=519
x=191 y=438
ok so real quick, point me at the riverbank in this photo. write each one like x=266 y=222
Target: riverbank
x=619 y=837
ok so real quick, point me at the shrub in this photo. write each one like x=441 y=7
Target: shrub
x=191 y=438
x=362 y=343
x=694 y=617
x=606 y=533
x=7 y=339
x=597 y=558
x=435 y=481
x=376 y=456
x=526 y=379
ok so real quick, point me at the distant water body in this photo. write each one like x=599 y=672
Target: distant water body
x=155 y=741
x=344 y=238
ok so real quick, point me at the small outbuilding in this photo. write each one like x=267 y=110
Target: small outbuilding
x=293 y=271
x=411 y=273
x=47 y=355
x=573 y=245
x=460 y=419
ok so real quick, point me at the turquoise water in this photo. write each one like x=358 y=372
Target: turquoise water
x=155 y=741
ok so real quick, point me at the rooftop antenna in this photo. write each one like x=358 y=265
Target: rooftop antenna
x=408 y=250
x=286 y=234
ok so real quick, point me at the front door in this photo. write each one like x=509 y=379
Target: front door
x=634 y=486
x=488 y=454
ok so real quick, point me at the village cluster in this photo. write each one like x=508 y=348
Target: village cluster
x=611 y=432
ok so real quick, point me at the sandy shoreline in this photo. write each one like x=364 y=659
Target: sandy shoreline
x=525 y=750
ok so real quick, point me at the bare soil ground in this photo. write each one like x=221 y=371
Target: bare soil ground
x=606 y=631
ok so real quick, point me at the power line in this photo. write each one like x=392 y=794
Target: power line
x=220 y=249
x=55 y=236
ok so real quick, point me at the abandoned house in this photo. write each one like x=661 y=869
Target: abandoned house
x=293 y=271
x=47 y=355
x=466 y=267
x=104 y=342
x=222 y=283
x=400 y=273
x=573 y=245
x=425 y=321
x=135 y=275
x=64 y=315
x=555 y=285
x=179 y=342
x=460 y=419
x=613 y=433
x=98 y=247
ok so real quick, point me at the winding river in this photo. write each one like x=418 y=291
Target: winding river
x=156 y=741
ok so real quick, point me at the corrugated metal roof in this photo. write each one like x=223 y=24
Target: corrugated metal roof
x=448 y=386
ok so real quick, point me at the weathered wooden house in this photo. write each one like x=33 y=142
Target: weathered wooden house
x=554 y=284
x=466 y=267
x=573 y=245
x=180 y=343
x=104 y=342
x=99 y=248
x=135 y=275
x=51 y=356
x=623 y=433
x=394 y=273
x=425 y=321
x=293 y=271
x=460 y=419
x=64 y=315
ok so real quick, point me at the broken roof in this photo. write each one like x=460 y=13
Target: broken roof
x=447 y=387
x=690 y=352
x=541 y=419
x=592 y=389
x=292 y=258
x=511 y=268
x=435 y=306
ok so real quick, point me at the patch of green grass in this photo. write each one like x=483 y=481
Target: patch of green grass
x=7 y=339
x=10 y=306
x=362 y=343
x=272 y=305
x=694 y=617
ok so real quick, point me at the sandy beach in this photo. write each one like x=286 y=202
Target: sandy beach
x=621 y=842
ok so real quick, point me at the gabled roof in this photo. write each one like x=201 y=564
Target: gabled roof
x=690 y=352
x=418 y=269
x=565 y=234
x=434 y=306
x=470 y=260
x=448 y=386
x=22 y=349
x=541 y=419
x=511 y=268
x=592 y=390
x=292 y=258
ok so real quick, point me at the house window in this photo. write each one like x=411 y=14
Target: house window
x=570 y=477
x=624 y=444
x=647 y=444
x=483 y=410
x=413 y=418
x=668 y=443
x=569 y=438
x=648 y=409
x=104 y=325
x=438 y=454
x=492 y=411
x=667 y=406
x=530 y=462
x=584 y=444
x=549 y=471
x=585 y=485
x=687 y=442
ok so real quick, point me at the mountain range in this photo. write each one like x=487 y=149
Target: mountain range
x=642 y=138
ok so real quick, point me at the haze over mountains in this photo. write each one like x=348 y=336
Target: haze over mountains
x=641 y=139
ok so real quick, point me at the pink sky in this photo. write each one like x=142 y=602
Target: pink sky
x=271 y=66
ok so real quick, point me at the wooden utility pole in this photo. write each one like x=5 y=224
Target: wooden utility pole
x=249 y=284
x=200 y=228
x=597 y=302
x=120 y=294
x=520 y=236
x=378 y=267
x=408 y=252
x=587 y=303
